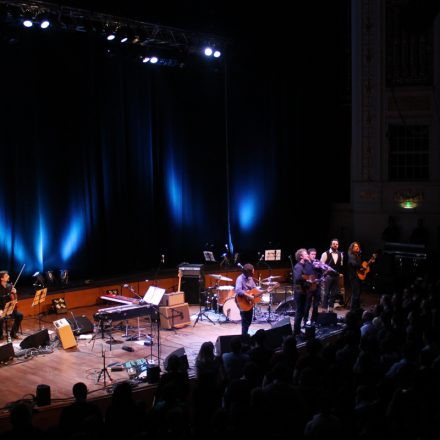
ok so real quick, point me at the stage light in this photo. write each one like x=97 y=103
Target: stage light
x=207 y=51
x=39 y=280
x=217 y=54
x=145 y=59
x=111 y=37
x=44 y=24
x=154 y=60
x=27 y=23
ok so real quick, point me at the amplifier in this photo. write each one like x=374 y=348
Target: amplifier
x=174 y=317
x=172 y=299
x=191 y=270
x=65 y=333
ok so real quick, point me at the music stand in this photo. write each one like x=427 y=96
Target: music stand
x=153 y=296
x=40 y=297
x=209 y=256
x=7 y=312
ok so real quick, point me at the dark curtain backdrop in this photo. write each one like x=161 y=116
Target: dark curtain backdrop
x=107 y=164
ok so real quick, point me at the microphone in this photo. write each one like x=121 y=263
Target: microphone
x=162 y=258
x=240 y=265
x=226 y=246
x=261 y=258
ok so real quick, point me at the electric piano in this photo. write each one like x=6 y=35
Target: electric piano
x=121 y=313
x=120 y=299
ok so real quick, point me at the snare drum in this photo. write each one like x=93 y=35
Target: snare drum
x=231 y=310
x=265 y=298
x=224 y=293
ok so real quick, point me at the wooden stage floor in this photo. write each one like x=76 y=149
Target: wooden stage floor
x=62 y=368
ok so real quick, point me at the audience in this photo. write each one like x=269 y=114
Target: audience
x=379 y=379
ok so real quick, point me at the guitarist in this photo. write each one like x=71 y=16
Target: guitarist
x=8 y=293
x=243 y=284
x=354 y=264
x=301 y=286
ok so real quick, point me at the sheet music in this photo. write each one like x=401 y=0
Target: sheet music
x=272 y=255
x=154 y=295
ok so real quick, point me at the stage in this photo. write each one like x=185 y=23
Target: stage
x=61 y=368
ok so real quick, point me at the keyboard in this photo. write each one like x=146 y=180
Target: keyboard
x=120 y=299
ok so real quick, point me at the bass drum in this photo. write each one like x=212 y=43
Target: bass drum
x=286 y=307
x=231 y=310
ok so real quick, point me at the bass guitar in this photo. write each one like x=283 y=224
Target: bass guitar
x=245 y=304
x=365 y=268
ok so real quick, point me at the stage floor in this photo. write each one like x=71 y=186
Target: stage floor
x=62 y=368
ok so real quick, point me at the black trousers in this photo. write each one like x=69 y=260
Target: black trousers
x=246 y=321
x=312 y=300
x=16 y=317
x=300 y=302
x=355 y=285
x=331 y=289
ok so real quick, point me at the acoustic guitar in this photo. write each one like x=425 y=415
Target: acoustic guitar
x=365 y=268
x=245 y=304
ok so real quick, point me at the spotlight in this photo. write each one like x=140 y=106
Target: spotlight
x=145 y=59
x=217 y=54
x=111 y=37
x=64 y=277
x=124 y=34
x=154 y=60
x=27 y=23
x=39 y=280
x=208 y=51
x=44 y=24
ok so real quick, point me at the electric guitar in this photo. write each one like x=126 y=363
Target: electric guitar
x=245 y=304
x=365 y=268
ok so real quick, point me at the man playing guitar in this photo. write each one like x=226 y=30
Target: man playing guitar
x=8 y=293
x=244 y=284
x=353 y=267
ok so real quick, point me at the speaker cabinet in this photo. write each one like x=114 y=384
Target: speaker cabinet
x=42 y=395
x=64 y=332
x=174 y=317
x=223 y=344
x=81 y=325
x=192 y=287
x=38 y=339
x=6 y=352
x=276 y=335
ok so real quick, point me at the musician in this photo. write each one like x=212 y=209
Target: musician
x=300 y=287
x=313 y=294
x=354 y=264
x=8 y=293
x=335 y=260
x=243 y=284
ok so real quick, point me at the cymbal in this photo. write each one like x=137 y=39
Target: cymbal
x=225 y=287
x=272 y=277
x=269 y=283
x=220 y=277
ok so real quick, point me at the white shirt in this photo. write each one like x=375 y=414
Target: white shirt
x=333 y=254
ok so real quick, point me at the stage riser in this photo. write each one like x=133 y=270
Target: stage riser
x=90 y=296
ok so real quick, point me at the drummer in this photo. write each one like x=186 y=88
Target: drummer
x=243 y=284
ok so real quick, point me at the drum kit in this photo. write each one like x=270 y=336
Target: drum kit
x=220 y=298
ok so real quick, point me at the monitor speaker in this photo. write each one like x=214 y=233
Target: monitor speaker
x=6 y=352
x=38 y=339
